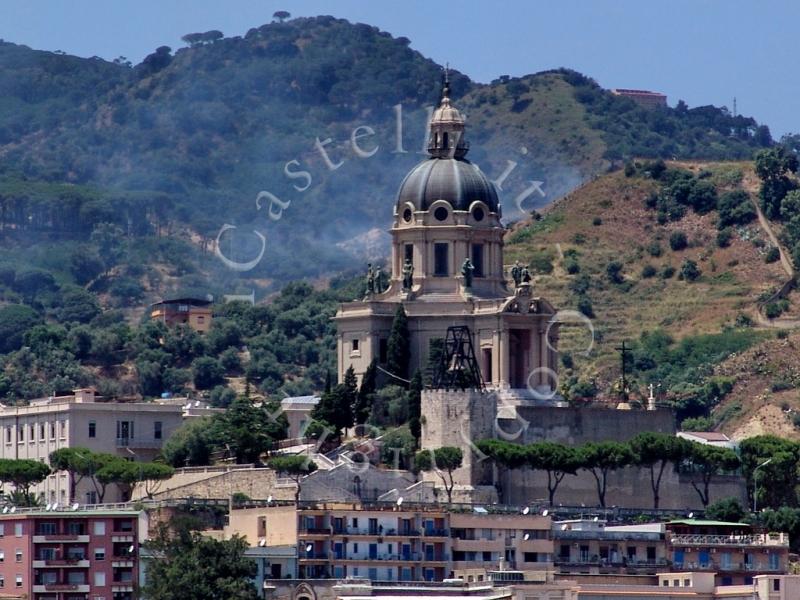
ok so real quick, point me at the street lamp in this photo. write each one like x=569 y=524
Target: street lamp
x=755 y=483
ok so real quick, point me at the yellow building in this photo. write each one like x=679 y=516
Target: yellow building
x=194 y=312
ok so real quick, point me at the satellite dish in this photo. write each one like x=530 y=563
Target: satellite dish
x=13 y=509
x=131 y=549
x=196 y=404
x=269 y=500
x=564 y=527
x=55 y=505
x=545 y=512
x=309 y=548
x=691 y=514
x=526 y=510
x=596 y=519
x=76 y=506
x=262 y=542
x=5 y=509
x=48 y=507
x=526 y=537
x=400 y=501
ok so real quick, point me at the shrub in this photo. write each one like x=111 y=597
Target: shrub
x=579 y=239
x=697 y=424
x=572 y=267
x=585 y=306
x=648 y=271
x=597 y=221
x=780 y=385
x=689 y=270
x=735 y=208
x=667 y=272
x=567 y=360
x=654 y=249
x=614 y=272
x=208 y=372
x=772 y=255
x=772 y=310
x=724 y=237
x=743 y=320
x=678 y=241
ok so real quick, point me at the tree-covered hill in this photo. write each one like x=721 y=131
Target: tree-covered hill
x=183 y=143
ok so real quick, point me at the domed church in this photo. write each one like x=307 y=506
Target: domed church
x=447 y=270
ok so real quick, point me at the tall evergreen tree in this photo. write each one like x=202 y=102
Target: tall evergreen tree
x=415 y=405
x=335 y=408
x=398 y=346
x=366 y=394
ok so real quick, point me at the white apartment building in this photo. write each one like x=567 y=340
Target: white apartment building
x=132 y=430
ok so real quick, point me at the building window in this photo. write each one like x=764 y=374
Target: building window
x=383 y=350
x=9 y=439
x=776 y=585
x=124 y=430
x=17 y=529
x=21 y=434
x=99 y=578
x=2 y=529
x=477 y=260
x=440 y=259
x=18 y=581
x=687 y=583
x=99 y=527
x=354 y=346
x=62 y=429
x=91 y=497
x=92 y=429
x=157 y=432
x=33 y=433
x=2 y=581
x=408 y=255
x=2 y=556
x=53 y=430
x=18 y=555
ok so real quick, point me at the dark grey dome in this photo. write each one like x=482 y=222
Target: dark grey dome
x=456 y=180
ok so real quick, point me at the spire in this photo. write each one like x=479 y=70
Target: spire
x=447 y=127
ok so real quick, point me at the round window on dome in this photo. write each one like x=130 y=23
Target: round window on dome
x=478 y=214
x=440 y=213
x=407 y=214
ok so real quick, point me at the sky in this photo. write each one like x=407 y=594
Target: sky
x=700 y=51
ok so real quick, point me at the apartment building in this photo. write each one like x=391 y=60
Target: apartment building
x=70 y=554
x=133 y=430
x=387 y=542
x=194 y=312
x=736 y=552
x=590 y=547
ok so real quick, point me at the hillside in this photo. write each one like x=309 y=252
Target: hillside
x=183 y=143
x=700 y=339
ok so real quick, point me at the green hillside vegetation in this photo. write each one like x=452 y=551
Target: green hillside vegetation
x=182 y=143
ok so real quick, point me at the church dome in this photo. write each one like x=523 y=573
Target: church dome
x=455 y=180
x=447 y=175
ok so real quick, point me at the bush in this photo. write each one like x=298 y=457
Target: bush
x=654 y=249
x=567 y=360
x=678 y=241
x=572 y=267
x=735 y=208
x=729 y=510
x=772 y=310
x=772 y=255
x=597 y=221
x=667 y=272
x=648 y=271
x=614 y=272
x=585 y=306
x=743 y=320
x=724 y=237
x=689 y=270
x=697 y=424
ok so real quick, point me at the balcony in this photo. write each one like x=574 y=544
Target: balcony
x=82 y=563
x=61 y=537
x=315 y=531
x=444 y=533
x=315 y=556
x=730 y=567
x=772 y=540
x=80 y=588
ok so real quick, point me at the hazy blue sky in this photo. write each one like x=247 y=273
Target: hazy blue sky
x=704 y=52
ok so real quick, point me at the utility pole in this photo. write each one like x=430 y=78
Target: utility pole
x=624 y=353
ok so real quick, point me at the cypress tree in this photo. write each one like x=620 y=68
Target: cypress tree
x=363 y=404
x=398 y=347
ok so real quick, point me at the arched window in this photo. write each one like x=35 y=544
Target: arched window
x=445 y=145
